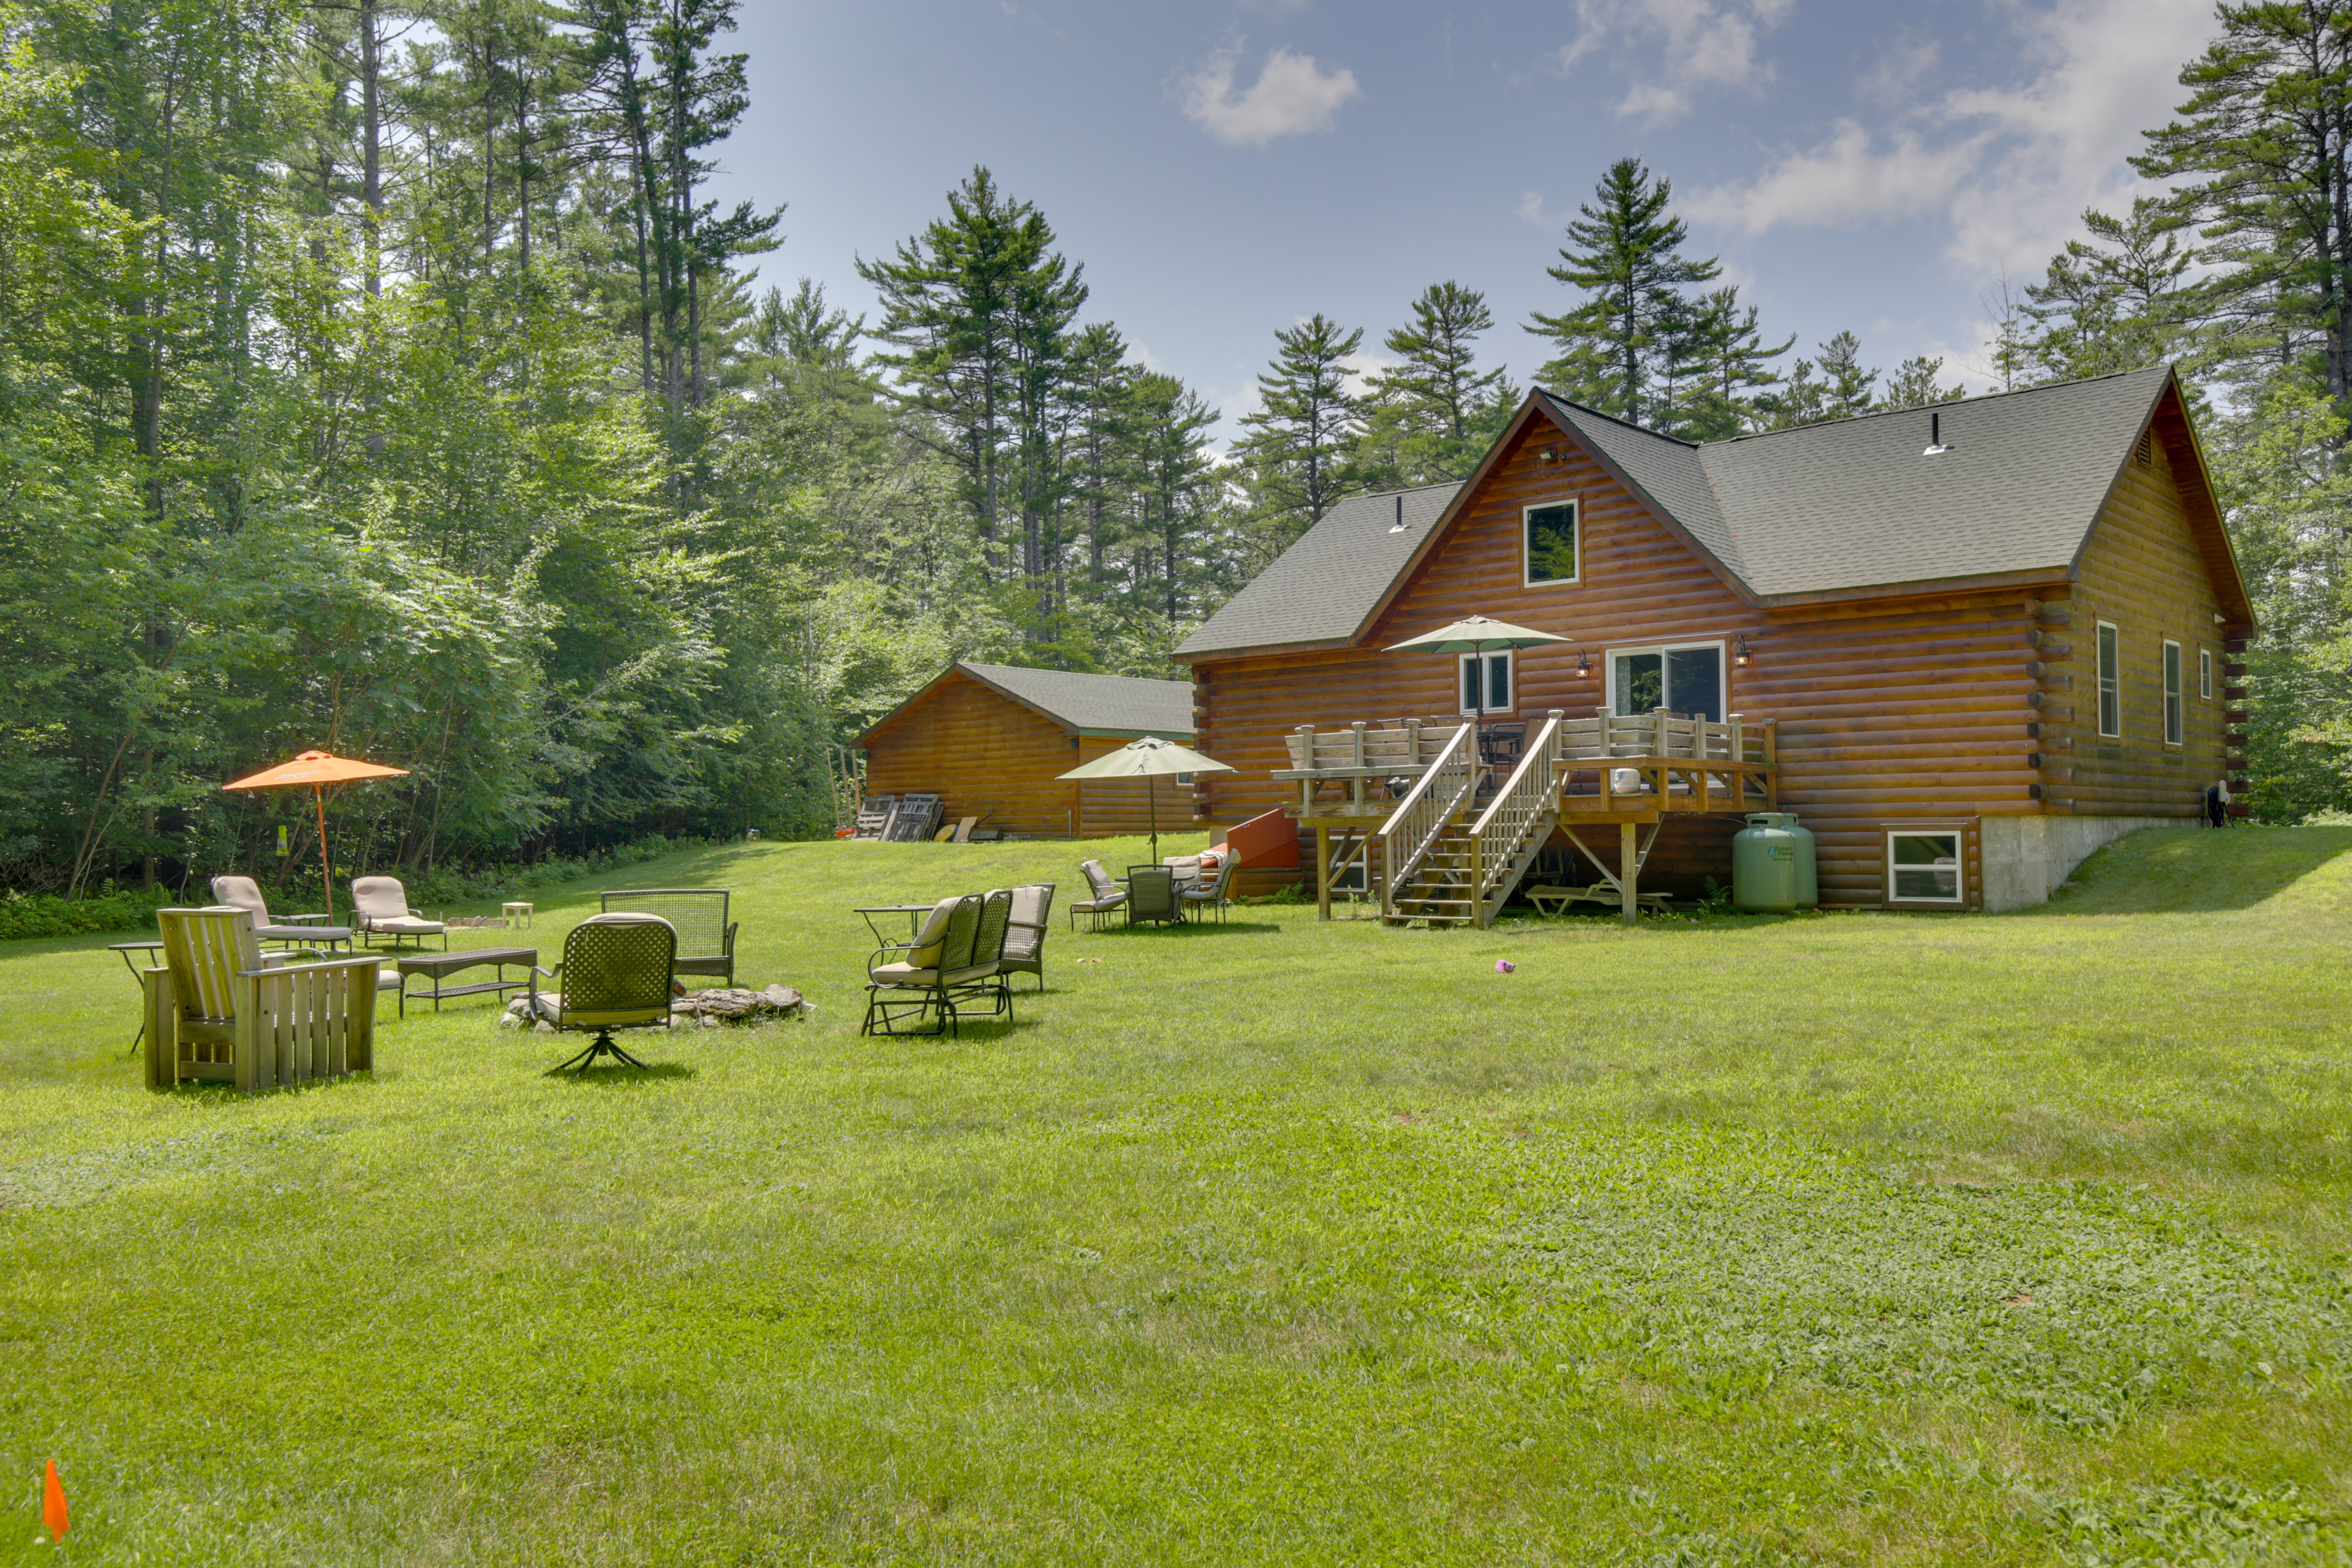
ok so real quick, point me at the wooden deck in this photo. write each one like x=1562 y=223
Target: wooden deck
x=1444 y=826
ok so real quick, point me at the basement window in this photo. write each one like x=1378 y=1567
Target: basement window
x=1551 y=543
x=2172 y=716
x=2111 y=661
x=1924 y=868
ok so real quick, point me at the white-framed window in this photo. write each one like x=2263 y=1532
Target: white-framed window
x=1683 y=678
x=2205 y=675
x=1486 y=682
x=1924 y=867
x=1548 y=551
x=2173 y=721
x=2111 y=676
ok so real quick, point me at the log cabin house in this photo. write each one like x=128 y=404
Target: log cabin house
x=1965 y=646
x=990 y=740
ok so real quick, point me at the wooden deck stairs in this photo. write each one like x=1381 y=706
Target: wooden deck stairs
x=1455 y=847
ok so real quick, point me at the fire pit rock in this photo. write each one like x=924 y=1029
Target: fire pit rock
x=714 y=1006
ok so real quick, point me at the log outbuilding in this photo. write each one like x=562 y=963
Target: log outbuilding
x=990 y=740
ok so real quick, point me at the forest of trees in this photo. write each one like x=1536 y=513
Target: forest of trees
x=383 y=378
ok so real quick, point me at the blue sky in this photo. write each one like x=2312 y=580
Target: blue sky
x=1225 y=170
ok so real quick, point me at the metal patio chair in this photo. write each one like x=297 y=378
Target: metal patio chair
x=616 y=974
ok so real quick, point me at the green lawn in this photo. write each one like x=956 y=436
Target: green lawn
x=1848 y=1238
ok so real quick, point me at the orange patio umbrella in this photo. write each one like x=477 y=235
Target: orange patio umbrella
x=316 y=769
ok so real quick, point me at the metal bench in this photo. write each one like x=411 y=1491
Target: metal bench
x=706 y=939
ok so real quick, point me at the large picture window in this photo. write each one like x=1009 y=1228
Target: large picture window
x=1551 y=554
x=1924 y=868
x=1486 y=682
x=2111 y=660
x=1686 y=680
x=2172 y=718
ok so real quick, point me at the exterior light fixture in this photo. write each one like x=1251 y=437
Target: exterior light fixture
x=1739 y=655
x=1583 y=665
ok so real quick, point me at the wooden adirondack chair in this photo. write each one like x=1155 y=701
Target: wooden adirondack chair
x=216 y=1009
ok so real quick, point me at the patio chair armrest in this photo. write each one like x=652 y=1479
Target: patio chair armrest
x=368 y=962
x=728 y=948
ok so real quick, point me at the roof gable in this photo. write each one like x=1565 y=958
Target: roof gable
x=1848 y=508
x=1080 y=704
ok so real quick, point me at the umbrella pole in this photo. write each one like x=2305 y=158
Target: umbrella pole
x=326 y=875
x=1152 y=801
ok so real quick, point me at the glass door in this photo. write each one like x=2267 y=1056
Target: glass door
x=1686 y=679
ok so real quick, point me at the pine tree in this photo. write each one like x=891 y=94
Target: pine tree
x=1913 y=384
x=1616 y=344
x=1722 y=369
x=1298 y=440
x=2118 y=301
x=2259 y=148
x=1435 y=409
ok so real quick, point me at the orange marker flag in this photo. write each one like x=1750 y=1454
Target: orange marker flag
x=52 y=1504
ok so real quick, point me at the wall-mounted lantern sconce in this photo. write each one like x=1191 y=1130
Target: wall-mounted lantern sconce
x=1739 y=655
x=1549 y=454
x=1583 y=665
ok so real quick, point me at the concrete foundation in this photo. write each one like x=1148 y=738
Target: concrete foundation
x=2026 y=858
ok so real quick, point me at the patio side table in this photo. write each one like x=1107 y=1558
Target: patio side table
x=516 y=915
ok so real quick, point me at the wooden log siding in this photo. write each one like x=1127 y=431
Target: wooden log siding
x=986 y=755
x=1919 y=707
x=2143 y=569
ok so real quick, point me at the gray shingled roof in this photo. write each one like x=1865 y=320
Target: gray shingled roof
x=1321 y=588
x=1849 y=504
x=1096 y=704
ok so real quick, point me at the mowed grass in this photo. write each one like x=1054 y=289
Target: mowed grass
x=1847 y=1238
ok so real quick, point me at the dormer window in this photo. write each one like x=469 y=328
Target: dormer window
x=1550 y=542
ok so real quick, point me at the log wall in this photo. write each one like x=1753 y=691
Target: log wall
x=1914 y=709
x=986 y=755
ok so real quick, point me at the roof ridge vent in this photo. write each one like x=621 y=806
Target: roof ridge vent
x=1936 y=447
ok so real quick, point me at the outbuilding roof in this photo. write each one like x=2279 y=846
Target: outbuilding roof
x=1845 y=506
x=1082 y=704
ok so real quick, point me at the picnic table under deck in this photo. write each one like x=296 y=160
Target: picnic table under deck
x=439 y=966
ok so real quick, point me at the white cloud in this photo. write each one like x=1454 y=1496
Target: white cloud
x=2009 y=168
x=1901 y=68
x=1292 y=96
x=1535 y=215
x=1702 y=45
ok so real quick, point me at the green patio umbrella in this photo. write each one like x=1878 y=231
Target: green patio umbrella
x=1475 y=634
x=1148 y=759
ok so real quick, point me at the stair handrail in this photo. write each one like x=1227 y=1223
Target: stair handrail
x=1421 y=815
x=1502 y=829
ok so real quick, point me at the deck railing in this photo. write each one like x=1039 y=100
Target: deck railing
x=1420 y=818
x=1524 y=806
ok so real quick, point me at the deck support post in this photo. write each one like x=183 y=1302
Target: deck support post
x=1629 y=869
x=1322 y=870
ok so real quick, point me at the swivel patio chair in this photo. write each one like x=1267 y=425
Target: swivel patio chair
x=380 y=908
x=616 y=975
x=1105 y=895
x=1024 y=935
x=244 y=893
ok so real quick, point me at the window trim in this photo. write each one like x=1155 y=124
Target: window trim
x=1608 y=656
x=2204 y=674
x=1526 y=564
x=2176 y=694
x=2106 y=684
x=1959 y=837
x=1510 y=680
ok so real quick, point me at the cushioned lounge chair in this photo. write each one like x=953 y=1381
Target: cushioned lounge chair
x=920 y=979
x=380 y=908
x=244 y=893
